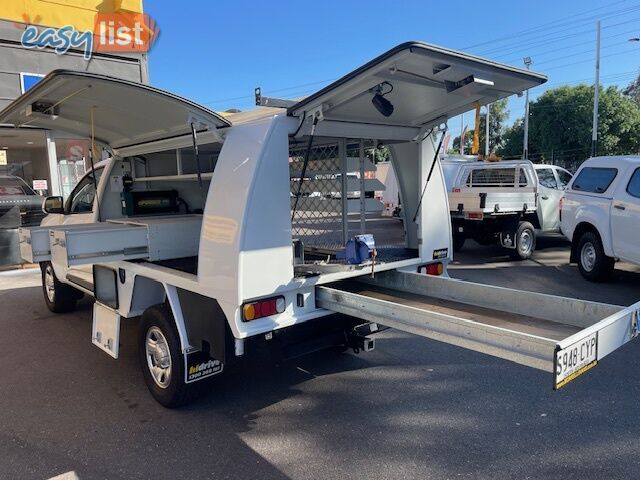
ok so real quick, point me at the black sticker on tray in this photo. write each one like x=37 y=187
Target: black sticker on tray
x=200 y=365
x=440 y=253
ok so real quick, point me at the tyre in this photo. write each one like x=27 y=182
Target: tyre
x=593 y=264
x=59 y=297
x=458 y=242
x=525 y=241
x=161 y=357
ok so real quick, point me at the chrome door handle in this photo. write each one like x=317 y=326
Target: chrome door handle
x=619 y=207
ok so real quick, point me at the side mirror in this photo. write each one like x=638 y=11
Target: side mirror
x=53 y=205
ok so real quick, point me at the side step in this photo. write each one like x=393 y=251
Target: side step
x=562 y=336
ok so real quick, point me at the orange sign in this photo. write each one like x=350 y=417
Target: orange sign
x=124 y=32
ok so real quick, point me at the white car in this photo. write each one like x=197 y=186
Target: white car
x=600 y=213
x=552 y=182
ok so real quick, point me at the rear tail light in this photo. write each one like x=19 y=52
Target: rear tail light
x=474 y=216
x=432 y=269
x=263 y=308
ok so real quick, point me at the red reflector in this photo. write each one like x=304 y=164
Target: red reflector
x=475 y=216
x=263 y=308
x=455 y=190
x=435 y=269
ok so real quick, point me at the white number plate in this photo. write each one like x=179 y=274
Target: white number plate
x=576 y=359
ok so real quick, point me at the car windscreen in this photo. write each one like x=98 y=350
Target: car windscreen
x=14 y=186
x=594 y=179
x=546 y=178
x=564 y=177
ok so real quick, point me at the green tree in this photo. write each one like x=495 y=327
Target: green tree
x=512 y=139
x=497 y=117
x=468 y=140
x=379 y=154
x=560 y=125
x=633 y=90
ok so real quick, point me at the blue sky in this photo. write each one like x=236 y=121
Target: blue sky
x=216 y=53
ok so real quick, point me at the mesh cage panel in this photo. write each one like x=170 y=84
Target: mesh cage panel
x=496 y=177
x=317 y=220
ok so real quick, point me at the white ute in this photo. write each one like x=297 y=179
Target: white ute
x=505 y=202
x=600 y=214
x=494 y=202
x=221 y=250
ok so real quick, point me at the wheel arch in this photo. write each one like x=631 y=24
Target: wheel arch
x=200 y=321
x=533 y=219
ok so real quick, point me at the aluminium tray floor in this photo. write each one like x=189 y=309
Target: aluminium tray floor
x=488 y=316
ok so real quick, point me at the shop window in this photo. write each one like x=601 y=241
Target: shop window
x=72 y=165
x=24 y=162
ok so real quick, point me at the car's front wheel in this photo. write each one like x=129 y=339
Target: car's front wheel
x=593 y=264
x=59 y=297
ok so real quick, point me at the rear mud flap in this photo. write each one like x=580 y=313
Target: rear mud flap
x=508 y=233
x=200 y=365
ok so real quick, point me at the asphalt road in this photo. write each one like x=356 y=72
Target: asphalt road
x=413 y=408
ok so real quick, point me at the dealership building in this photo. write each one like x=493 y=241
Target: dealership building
x=47 y=162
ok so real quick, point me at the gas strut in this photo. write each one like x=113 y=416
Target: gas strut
x=196 y=155
x=433 y=164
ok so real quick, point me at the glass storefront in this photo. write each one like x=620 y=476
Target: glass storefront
x=34 y=164
x=24 y=182
x=71 y=156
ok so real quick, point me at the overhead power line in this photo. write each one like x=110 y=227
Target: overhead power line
x=558 y=24
x=539 y=27
x=538 y=53
x=583 y=52
x=626 y=52
x=523 y=44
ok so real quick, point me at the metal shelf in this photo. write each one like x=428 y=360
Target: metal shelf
x=185 y=177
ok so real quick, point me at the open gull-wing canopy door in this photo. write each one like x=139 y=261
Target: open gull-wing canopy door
x=420 y=85
x=123 y=113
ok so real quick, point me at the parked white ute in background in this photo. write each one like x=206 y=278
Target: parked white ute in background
x=503 y=202
x=600 y=213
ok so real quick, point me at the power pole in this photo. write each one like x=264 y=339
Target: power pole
x=596 y=95
x=486 y=133
x=525 y=142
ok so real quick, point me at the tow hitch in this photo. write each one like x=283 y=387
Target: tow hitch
x=358 y=338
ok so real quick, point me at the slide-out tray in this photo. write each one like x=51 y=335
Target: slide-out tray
x=560 y=335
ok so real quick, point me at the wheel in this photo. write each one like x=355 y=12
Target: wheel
x=593 y=264
x=59 y=297
x=525 y=241
x=458 y=242
x=161 y=357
